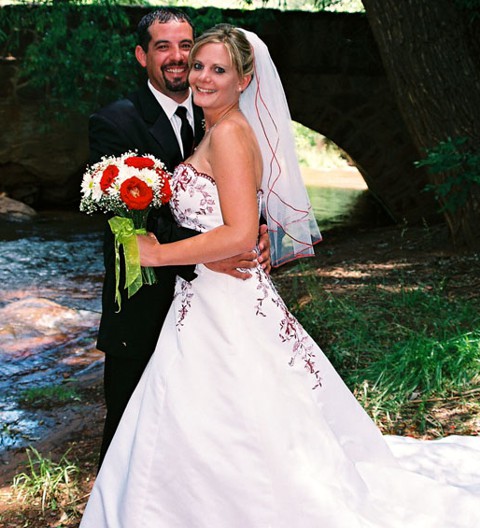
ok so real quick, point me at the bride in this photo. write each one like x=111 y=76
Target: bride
x=241 y=421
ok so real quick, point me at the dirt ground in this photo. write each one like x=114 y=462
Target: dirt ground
x=343 y=260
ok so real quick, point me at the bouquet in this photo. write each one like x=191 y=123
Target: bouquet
x=128 y=186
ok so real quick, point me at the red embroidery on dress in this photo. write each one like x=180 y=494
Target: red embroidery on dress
x=263 y=288
x=186 y=296
x=290 y=328
x=198 y=173
x=189 y=181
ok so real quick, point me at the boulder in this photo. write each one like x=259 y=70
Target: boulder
x=13 y=210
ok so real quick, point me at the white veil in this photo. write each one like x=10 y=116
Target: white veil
x=286 y=206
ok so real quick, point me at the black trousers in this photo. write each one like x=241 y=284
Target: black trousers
x=121 y=376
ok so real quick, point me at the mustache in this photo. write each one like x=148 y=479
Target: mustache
x=173 y=64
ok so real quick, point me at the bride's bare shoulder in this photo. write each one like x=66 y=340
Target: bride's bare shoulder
x=235 y=128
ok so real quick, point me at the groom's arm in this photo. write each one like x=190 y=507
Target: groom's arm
x=105 y=138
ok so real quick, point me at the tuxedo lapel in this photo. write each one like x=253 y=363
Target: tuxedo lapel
x=163 y=133
x=159 y=127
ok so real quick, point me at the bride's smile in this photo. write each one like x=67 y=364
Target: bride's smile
x=215 y=82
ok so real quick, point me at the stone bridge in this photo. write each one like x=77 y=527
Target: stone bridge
x=335 y=84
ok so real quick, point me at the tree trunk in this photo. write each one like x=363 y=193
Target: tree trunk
x=434 y=73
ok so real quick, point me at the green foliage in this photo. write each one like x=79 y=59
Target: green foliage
x=206 y=18
x=305 y=138
x=46 y=480
x=395 y=346
x=47 y=396
x=349 y=6
x=460 y=164
x=76 y=56
x=316 y=151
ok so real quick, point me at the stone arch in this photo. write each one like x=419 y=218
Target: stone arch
x=335 y=84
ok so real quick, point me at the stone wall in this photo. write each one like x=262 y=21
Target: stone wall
x=39 y=165
x=334 y=82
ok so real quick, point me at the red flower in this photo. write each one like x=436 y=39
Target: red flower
x=109 y=174
x=166 y=191
x=139 y=162
x=136 y=193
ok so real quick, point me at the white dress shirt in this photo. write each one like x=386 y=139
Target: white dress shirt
x=170 y=106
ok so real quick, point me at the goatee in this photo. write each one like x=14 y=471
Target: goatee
x=176 y=86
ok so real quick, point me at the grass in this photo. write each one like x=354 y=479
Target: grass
x=398 y=349
x=401 y=326
x=48 y=395
x=53 y=484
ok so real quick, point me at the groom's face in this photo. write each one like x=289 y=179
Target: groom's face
x=166 y=59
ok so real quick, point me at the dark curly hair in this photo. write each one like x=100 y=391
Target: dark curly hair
x=162 y=15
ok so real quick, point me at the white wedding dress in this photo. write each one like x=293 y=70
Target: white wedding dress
x=240 y=421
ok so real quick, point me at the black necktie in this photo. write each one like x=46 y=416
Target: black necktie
x=186 y=131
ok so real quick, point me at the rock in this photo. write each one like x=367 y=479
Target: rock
x=14 y=211
x=33 y=325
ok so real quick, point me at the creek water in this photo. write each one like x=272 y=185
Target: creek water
x=332 y=206
x=51 y=272
x=51 y=275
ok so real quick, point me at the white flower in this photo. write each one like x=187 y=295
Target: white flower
x=88 y=183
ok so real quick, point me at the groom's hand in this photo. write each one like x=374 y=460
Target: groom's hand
x=264 y=248
x=231 y=265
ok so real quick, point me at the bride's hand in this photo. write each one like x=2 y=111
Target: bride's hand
x=148 y=246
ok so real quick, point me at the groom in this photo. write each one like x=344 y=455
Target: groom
x=147 y=121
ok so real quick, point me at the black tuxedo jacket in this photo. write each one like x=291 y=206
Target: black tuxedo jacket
x=138 y=122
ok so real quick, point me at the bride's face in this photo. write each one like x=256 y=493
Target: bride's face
x=214 y=80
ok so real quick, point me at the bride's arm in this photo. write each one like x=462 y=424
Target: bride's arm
x=233 y=160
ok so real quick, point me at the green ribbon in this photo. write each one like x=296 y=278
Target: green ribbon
x=125 y=235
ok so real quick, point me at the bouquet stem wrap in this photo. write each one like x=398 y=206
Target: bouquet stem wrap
x=125 y=232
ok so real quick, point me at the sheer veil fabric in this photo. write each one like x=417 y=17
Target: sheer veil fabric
x=286 y=205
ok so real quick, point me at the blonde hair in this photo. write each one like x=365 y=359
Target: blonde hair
x=235 y=42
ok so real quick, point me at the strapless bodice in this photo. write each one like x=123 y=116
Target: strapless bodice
x=195 y=203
